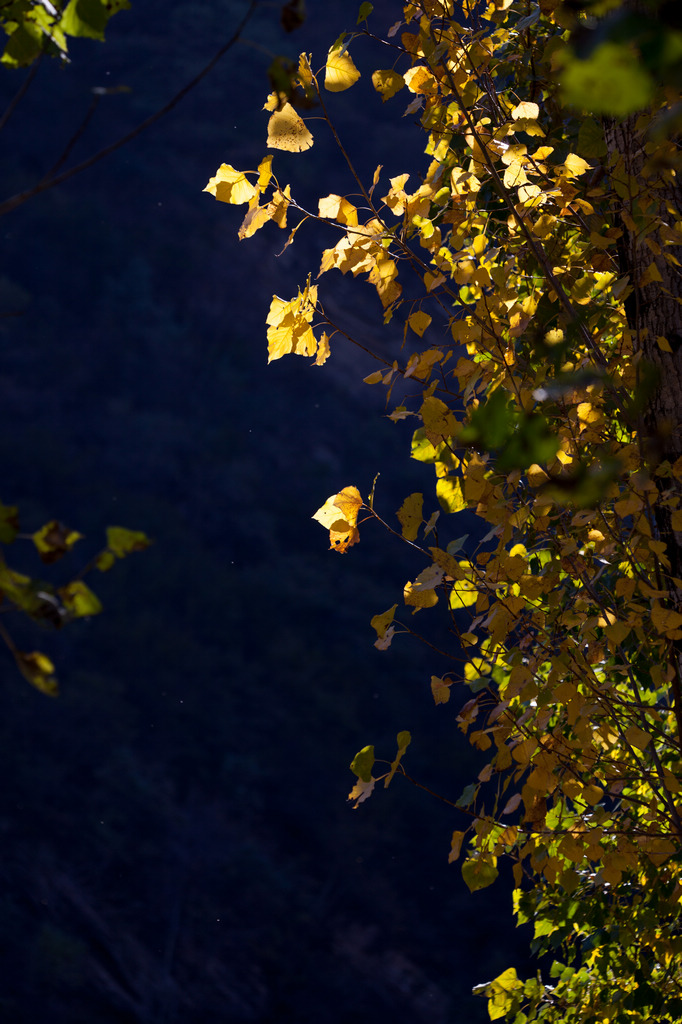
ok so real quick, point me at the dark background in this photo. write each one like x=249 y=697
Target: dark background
x=176 y=840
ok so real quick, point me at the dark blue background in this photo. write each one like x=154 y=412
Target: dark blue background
x=177 y=845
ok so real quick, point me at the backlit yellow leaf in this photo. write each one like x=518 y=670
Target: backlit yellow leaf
x=575 y=165
x=338 y=209
x=449 y=493
x=322 y=351
x=287 y=131
x=439 y=423
x=289 y=329
x=526 y=109
x=340 y=73
x=231 y=186
x=388 y=83
x=339 y=515
x=410 y=515
x=422 y=593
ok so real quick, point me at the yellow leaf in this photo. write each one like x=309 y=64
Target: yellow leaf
x=575 y=165
x=665 y=620
x=255 y=218
x=637 y=737
x=449 y=493
x=463 y=594
x=652 y=273
x=231 y=186
x=339 y=515
x=404 y=739
x=38 y=670
x=287 y=131
x=340 y=73
x=410 y=515
x=382 y=276
x=278 y=206
x=397 y=197
x=388 y=83
x=422 y=593
x=374 y=378
x=305 y=74
x=501 y=993
x=419 y=321
x=440 y=688
x=349 y=501
x=264 y=172
x=382 y=622
x=339 y=209
x=455 y=846
x=439 y=422
x=420 y=80
x=288 y=323
x=526 y=109
x=322 y=351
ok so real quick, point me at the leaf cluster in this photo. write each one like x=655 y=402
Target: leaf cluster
x=527 y=380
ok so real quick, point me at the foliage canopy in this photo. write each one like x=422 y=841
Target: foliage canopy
x=540 y=366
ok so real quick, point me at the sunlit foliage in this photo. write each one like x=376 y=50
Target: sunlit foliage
x=542 y=246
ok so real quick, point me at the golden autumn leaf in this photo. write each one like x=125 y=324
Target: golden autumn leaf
x=422 y=593
x=231 y=186
x=289 y=329
x=419 y=321
x=410 y=515
x=287 y=130
x=388 y=83
x=526 y=110
x=339 y=209
x=340 y=72
x=323 y=351
x=339 y=515
x=256 y=217
x=439 y=423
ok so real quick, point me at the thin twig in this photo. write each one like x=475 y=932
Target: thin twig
x=19 y=95
x=21 y=197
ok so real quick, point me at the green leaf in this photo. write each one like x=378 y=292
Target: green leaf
x=23 y=46
x=364 y=12
x=468 y=796
x=591 y=142
x=612 y=80
x=479 y=871
x=362 y=763
x=88 y=18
